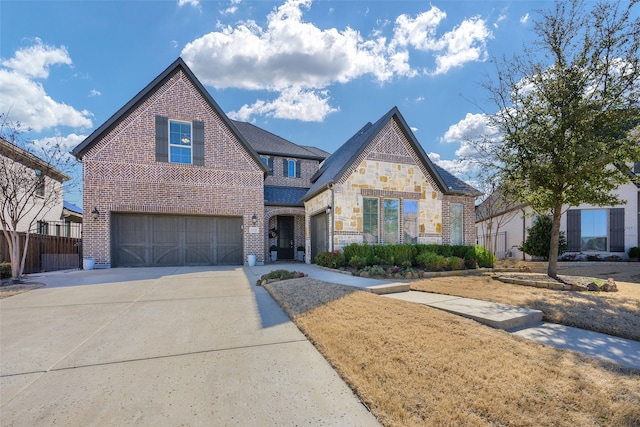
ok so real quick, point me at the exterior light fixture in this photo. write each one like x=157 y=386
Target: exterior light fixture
x=95 y=213
x=254 y=219
x=328 y=209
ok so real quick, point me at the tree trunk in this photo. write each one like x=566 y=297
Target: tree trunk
x=552 y=270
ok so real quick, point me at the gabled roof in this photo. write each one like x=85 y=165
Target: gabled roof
x=267 y=143
x=283 y=196
x=342 y=160
x=30 y=160
x=176 y=66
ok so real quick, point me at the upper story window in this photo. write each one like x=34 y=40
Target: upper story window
x=180 y=142
x=269 y=162
x=39 y=187
x=291 y=168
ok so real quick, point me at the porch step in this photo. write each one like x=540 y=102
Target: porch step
x=388 y=288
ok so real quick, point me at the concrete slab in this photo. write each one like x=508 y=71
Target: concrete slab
x=498 y=316
x=389 y=288
x=171 y=346
x=618 y=350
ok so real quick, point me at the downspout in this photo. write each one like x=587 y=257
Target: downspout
x=524 y=231
x=333 y=215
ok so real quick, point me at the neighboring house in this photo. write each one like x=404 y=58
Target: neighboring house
x=590 y=230
x=37 y=182
x=72 y=220
x=381 y=188
x=169 y=179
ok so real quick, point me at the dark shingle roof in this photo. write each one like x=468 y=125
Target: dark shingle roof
x=335 y=166
x=283 y=196
x=265 y=142
x=177 y=65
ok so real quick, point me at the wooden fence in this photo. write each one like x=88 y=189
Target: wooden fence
x=47 y=253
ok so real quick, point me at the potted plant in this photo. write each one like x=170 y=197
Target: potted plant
x=634 y=253
x=300 y=253
x=274 y=252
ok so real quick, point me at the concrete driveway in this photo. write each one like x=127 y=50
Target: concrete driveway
x=162 y=346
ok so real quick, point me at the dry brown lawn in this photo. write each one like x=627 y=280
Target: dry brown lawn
x=414 y=366
x=613 y=313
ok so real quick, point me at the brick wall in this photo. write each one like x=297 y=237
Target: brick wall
x=121 y=174
x=307 y=169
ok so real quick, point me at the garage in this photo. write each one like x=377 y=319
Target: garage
x=146 y=240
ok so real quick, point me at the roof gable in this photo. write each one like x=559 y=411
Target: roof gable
x=144 y=94
x=343 y=159
x=20 y=155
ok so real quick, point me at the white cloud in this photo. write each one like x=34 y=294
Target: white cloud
x=524 y=19
x=34 y=61
x=64 y=143
x=293 y=103
x=25 y=99
x=461 y=168
x=289 y=52
x=194 y=3
x=94 y=92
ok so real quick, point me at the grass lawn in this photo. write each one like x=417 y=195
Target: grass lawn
x=415 y=365
x=613 y=313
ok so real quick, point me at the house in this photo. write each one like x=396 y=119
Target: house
x=590 y=230
x=169 y=179
x=381 y=188
x=32 y=191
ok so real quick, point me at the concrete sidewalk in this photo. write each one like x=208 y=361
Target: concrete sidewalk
x=168 y=346
x=523 y=322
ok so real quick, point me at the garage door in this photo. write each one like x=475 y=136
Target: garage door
x=142 y=240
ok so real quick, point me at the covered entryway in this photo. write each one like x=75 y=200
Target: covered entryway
x=319 y=235
x=146 y=240
x=285 y=237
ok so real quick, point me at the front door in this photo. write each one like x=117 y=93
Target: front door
x=285 y=237
x=319 y=235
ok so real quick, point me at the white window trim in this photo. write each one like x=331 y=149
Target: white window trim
x=174 y=145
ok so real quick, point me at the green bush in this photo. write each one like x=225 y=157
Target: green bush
x=357 y=262
x=484 y=257
x=455 y=263
x=634 y=252
x=401 y=254
x=362 y=251
x=538 y=242
x=432 y=261
x=5 y=270
x=333 y=259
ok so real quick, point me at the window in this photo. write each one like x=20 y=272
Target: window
x=265 y=160
x=370 y=220
x=593 y=228
x=291 y=168
x=180 y=142
x=410 y=221
x=39 y=187
x=455 y=223
x=391 y=222
x=43 y=227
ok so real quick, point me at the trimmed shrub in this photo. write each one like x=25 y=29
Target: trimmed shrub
x=634 y=252
x=432 y=261
x=455 y=263
x=538 y=242
x=363 y=251
x=5 y=270
x=356 y=262
x=484 y=257
x=333 y=259
x=402 y=254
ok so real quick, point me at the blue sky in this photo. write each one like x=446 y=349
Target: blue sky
x=313 y=72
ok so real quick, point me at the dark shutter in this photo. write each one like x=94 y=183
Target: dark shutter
x=297 y=168
x=162 y=139
x=616 y=230
x=270 y=162
x=574 y=232
x=198 y=143
x=285 y=167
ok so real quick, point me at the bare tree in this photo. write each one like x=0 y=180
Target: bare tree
x=31 y=179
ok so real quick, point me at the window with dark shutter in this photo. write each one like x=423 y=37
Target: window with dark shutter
x=574 y=239
x=162 y=139
x=198 y=143
x=616 y=229
x=285 y=167
x=298 y=169
x=270 y=164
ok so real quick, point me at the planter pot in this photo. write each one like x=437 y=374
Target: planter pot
x=88 y=263
x=300 y=255
x=251 y=259
x=274 y=256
